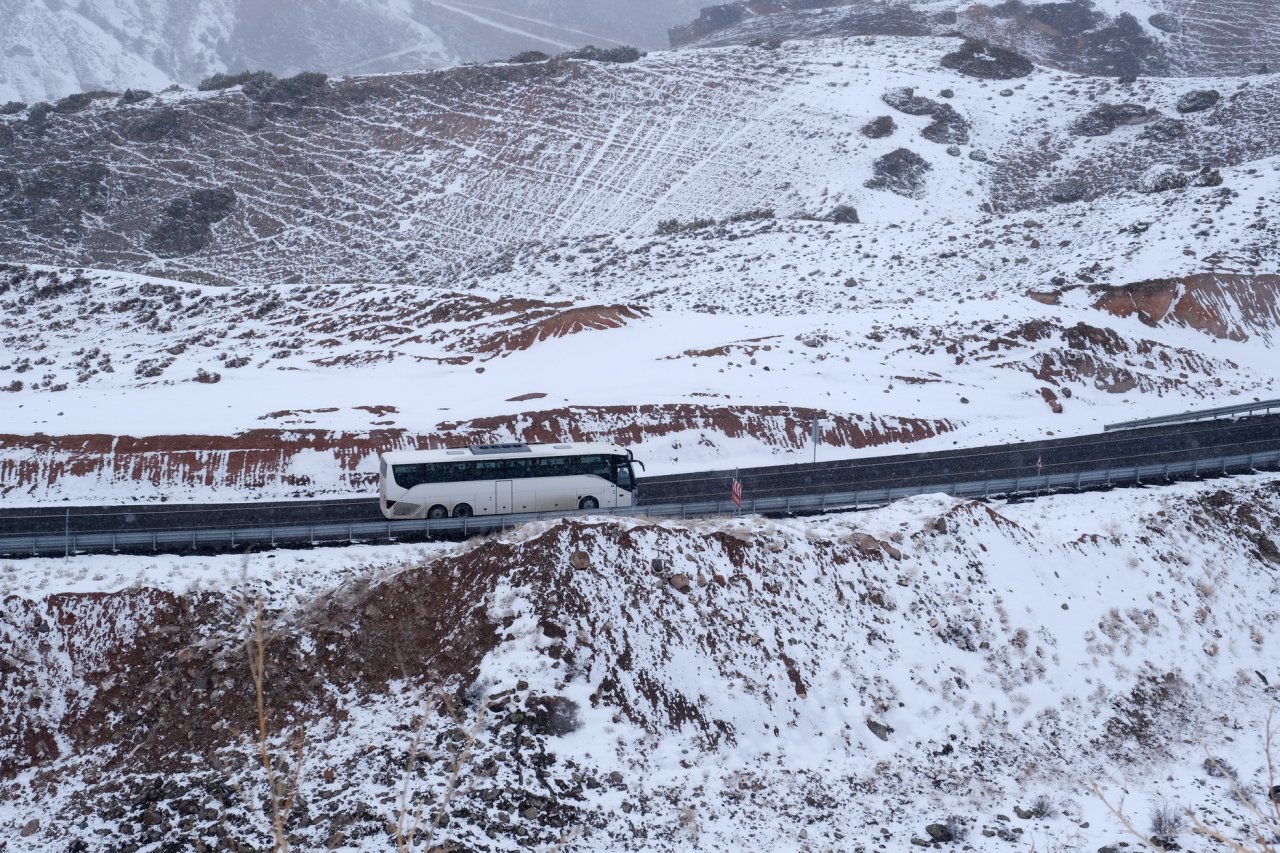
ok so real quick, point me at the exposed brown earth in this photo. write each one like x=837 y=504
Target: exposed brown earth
x=553 y=321
x=1225 y=306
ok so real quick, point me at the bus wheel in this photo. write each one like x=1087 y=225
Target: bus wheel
x=462 y=511
x=588 y=503
x=437 y=511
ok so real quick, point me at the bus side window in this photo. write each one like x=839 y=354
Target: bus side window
x=597 y=466
x=457 y=472
x=408 y=476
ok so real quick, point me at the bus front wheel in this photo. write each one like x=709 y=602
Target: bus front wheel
x=462 y=511
x=437 y=511
x=588 y=503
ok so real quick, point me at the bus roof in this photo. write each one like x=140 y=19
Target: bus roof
x=501 y=451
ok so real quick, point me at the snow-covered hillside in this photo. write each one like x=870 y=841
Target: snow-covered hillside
x=834 y=684
x=696 y=252
x=51 y=50
x=1106 y=37
x=405 y=176
x=274 y=392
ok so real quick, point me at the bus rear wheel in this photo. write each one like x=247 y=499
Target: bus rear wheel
x=437 y=511
x=588 y=503
x=462 y=511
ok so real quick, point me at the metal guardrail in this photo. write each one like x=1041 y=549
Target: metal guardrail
x=1204 y=414
x=363 y=531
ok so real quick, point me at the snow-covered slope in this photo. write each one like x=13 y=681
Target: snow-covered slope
x=403 y=176
x=51 y=50
x=841 y=683
x=536 y=245
x=1105 y=37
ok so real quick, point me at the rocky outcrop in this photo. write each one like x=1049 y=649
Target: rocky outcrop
x=987 y=62
x=901 y=171
x=1235 y=307
x=1106 y=118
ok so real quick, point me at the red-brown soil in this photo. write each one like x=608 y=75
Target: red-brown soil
x=1222 y=305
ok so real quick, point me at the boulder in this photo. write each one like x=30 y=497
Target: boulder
x=987 y=62
x=905 y=100
x=866 y=543
x=879 y=127
x=940 y=832
x=1208 y=178
x=1106 y=118
x=879 y=729
x=1198 y=100
x=1162 y=178
x=1164 y=130
x=844 y=214
x=901 y=171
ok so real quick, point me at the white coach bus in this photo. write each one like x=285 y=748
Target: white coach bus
x=500 y=478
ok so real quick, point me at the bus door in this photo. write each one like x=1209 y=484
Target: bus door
x=502 y=497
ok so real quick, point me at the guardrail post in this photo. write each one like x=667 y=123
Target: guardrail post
x=855 y=499
x=1252 y=467
x=113 y=544
x=350 y=534
x=823 y=506
x=233 y=539
x=154 y=547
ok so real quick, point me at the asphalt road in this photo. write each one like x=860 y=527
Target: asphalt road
x=1150 y=446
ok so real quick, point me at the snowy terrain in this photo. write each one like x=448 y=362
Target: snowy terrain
x=437 y=175
x=644 y=253
x=249 y=293
x=51 y=50
x=821 y=684
x=1103 y=37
